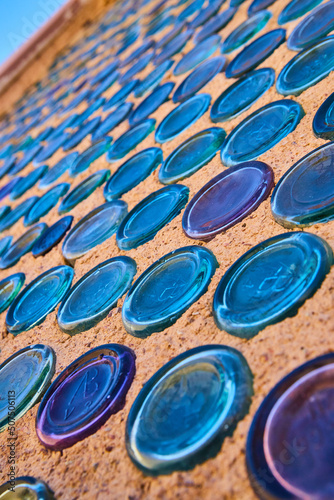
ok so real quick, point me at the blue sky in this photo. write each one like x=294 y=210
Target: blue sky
x=20 y=19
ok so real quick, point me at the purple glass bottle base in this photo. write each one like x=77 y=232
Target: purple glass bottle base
x=85 y=395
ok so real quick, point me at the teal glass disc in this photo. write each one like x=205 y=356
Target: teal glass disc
x=304 y=195
x=151 y=103
x=5 y=243
x=130 y=139
x=150 y=215
x=313 y=27
x=26 y=375
x=46 y=203
x=257 y=5
x=53 y=174
x=95 y=294
x=19 y=211
x=261 y=131
x=121 y=95
x=52 y=236
x=9 y=288
x=307 y=68
x=83 y=131
x=255 y=53
x=173 y=47
x=153 y=79
x=182 y=117
x=83 y=190
x=184 y=412
x=191 y=155
x=197 y=55
x=84 y=161
x=270 y=282
x=216 y=24
x=28 y=156
x=132 y=172
x=50 y=148
x=22 y=245
x=242 y=94
x=111 y=121
x=93 y=229
x=27 y=182
x=323 y=121
x=295 y=9
x=199 y=77
x=247 y=30
x=167 y=289
x=38 y=299
x=4 y=210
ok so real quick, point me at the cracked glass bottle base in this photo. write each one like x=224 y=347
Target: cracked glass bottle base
x=38 y=299
x=304 y=194
x=24 y=488
x=95 y=294
x=9 y=288
x=93 y=229
x=167 y=289
x=25 y=376
x=132 y=172
x=22 y=245
x=52 y=236
x=83 y=190
x=187 y=408
x=307 y=68
x=242 y=94
x=261 y=131
x=191 y=155
x=150 y=215
x=291 y=435
x=182 y=117
x=85 y=395
x=199 y=77
x=323 y=121
x=270 y=282
x=130 y=139
x=227 y=199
